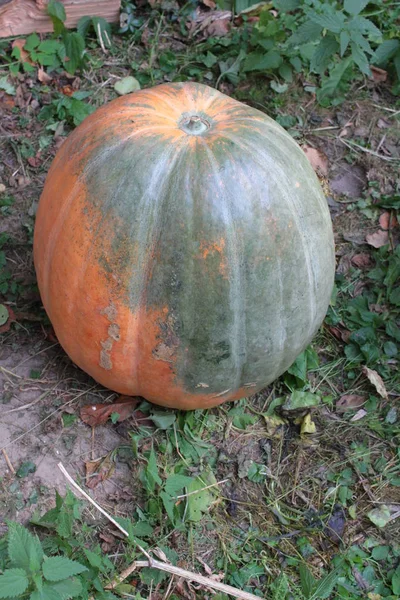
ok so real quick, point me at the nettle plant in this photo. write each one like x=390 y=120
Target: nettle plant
x=330 y=39
x=33 y=575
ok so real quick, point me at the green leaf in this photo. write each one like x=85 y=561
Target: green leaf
x=175 y=484
x=13 y=582
x=380 y=516
x=169 y=505
x=7 y=86
x=126 y=85
x=24 y=549
x=93 y=558
x=279 y=88
x=74 y=49
x=396 y=581
x=390 y=349
x=103 y=31
x=4 y=314
x=46 y=593
x=307 y=580
x=142 y=529
x=200 y=502
x=64 y=524
x=392 y=329
x=209 y=60
x=336 y=75
x=57 y=568
x=323 y=54
x=344 y=42
x=307 y=32
x=152 y=475
x=286 y=5
x=49 y=46
x=70 y=588
x=380 y=552
x=163 y=420
x=32 y=42
x=360 y=58
x=84 y=25
x=56 y=9
x=385 y=51
x=354 y=7
x=331 y=20
x=301 y=400
x=26 y=469
x=257 y=61
x=325 y=585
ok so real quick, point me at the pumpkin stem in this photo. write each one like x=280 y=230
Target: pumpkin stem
x=194 y=125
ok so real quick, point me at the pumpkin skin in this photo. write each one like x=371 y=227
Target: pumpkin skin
x=183 y=247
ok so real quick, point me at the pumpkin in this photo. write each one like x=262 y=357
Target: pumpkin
x=183 y=247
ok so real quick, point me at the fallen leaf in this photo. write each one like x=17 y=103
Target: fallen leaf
x=7 y=316
x=318 y=160
x=378 y=238
x=361 y=582
x=378 y=75
x=109 y=541
x=360 y=414
x=99 y=470
x=43 y=76
x=380 y=516
x=98 y=414
x=383 y=124
x=349 y=402
x=362 y=260
x=2 y=188
x=336 y=524
x=387 y=220
x=23 y=54
x=376 y=381
x=209 y=3
x=307 y=425
x=126 y=85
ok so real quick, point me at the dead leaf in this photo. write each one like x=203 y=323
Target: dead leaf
x=376 y=381
x=209 y=3
x=378 y=238
x=387 y=221
x=43 y=76
x=318 y=160
x=307 y=425
x=99 y=470
x=11 y=317
x=362 y=583
x=336 y=524
x=98 y=414
x=360 y=414
x=348 y=402
x=362 y=260
x=67 y=90
x=383 y=124
x=24 y=55
x=378 y=75
x=109 y=541
x=2 y=188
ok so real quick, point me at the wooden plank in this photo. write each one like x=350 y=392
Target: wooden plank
x=19 y=17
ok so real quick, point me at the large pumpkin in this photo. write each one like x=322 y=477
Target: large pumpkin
x=183 y=247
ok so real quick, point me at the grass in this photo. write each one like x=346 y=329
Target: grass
x=293 y=493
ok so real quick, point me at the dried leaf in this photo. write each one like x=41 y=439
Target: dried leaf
x=307 y=425
x=23 y=54
x=387 y=221
x=318 y=160
x=209 y=3
x=383 y=124
x=360 y=414
x=98 y=414
x=378 y=75
x=336 y=524
x=376 y=381
x=362 y=260
x=99 y=470
x=43 y=76
x=7 y=316
x=349 y=402
x=378 y=238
